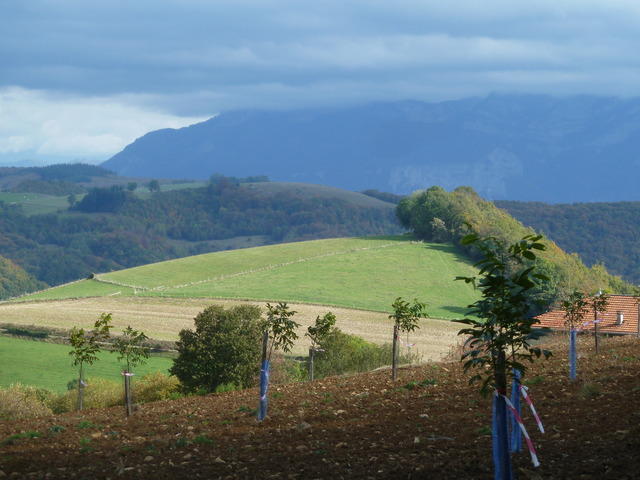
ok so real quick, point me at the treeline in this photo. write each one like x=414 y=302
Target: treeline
x=111 y=228
x=441 y=216
x=601 y=233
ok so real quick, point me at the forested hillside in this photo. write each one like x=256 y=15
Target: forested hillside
x=438 y=215
x=14 y=280
x=607 y=233
x=113 y=228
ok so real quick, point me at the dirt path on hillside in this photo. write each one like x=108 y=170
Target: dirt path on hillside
x=163 y=318
x=429 y=424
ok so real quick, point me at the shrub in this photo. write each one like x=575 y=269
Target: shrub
x=224 y=348
x=344 y=353
x=155 y=386
x=98 y=393
x=21 y=401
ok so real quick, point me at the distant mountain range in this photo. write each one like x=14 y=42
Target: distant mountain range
x=516 y=147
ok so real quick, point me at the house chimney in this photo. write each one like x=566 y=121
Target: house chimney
x=619 y=318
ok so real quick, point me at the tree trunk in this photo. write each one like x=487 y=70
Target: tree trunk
x=501 y=456
x=394 y=359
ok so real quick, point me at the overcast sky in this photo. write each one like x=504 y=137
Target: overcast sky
x=79 y=80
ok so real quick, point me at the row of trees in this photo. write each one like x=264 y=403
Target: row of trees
x=86 y=344
x=227 y=345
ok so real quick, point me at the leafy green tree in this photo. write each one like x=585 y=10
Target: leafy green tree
x=132 y=350
x=500 y=335
x=576 y=307
x=317 y=333
x=406 y=317
x=131 y=186
x=153 y=186
x=85 y=347
x=281 y=327
x=598 y=303
x=279 y=333
x=72 y=200
x=224 y=349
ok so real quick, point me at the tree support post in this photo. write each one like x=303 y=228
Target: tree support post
x=394 y=359
x=264 y=378
x=127 y=393
x=572 y=354
x=80 y=390
x=312 y=352
x=515 y=440
x=500 y=429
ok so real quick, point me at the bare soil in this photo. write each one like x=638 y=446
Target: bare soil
x=360 y=426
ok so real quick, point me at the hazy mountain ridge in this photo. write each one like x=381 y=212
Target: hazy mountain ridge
x=519 y=147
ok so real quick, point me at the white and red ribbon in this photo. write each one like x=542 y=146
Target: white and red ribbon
x=516 y=415
x=527 y=398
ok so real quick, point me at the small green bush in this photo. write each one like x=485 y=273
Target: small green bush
x=98 y=393
x=155 y=386
x=22 y=401
x=344 y=353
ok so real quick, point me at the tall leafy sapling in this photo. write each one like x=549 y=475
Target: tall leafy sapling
x=85 y=347
x=324 y=326
x=132 y=351
x=576 y=307
x=599 y=303
x=279 y=333
x=500 y=335
x=406 y=318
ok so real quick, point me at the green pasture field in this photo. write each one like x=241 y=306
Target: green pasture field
x=36 y=203
x=143 y=192
x=363 y=273
x=49 y=365
x=80 y=289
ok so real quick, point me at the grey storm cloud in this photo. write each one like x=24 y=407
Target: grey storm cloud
x=192 y=58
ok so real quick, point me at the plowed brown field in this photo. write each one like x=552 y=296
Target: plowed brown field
x=361 y=426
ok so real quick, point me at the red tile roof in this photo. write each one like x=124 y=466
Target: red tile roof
x=625 y=304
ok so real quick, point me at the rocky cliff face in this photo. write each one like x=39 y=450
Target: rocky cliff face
x=506 y=147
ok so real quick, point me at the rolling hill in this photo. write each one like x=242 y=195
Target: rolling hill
x=112 y=228
x=361 y=273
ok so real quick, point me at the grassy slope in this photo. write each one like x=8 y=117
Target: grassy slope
x=36 y=203
x=364 y=273
x=48 y=365
x=320 y=191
